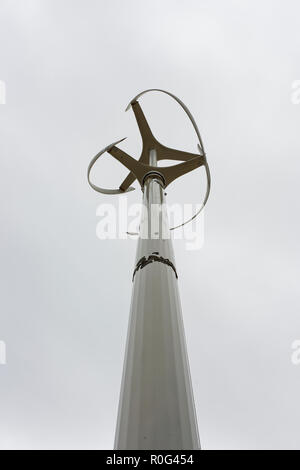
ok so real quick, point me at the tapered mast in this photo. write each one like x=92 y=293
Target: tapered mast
x=156 y=406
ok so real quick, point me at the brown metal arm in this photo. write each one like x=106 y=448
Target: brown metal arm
x=168 y=174
x=141 y=169
x=150 y=143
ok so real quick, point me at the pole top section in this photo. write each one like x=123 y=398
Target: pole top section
x=140 y=169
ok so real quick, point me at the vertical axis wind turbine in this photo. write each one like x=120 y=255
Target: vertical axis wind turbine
x=156 y=407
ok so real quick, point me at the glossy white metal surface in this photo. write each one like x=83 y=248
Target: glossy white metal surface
x=156 y=409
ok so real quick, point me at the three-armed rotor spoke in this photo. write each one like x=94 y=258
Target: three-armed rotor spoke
x=140 y=169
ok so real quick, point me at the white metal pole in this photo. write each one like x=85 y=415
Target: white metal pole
x=156 y=408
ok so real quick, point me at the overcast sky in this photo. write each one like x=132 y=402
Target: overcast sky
x=70 y=68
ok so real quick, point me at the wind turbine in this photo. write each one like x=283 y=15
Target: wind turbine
x=156 y=407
